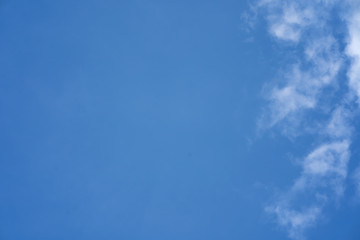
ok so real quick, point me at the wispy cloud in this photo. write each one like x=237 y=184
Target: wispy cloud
x=295 y=221
x=325 y=167
x=323 y=175
x=306 y=25
x=316 y=67
x=339 y=126
x=353 y=51
x=356 y=179
x=289 y=23
x=288 y=19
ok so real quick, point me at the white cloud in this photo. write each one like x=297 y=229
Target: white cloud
x=318 y=66
x=288 y=20
x=290 y=23
x=353 y=51
x=304 y=85
x=323 y=175
x=339 y=126
x=288 y=100
x=328 y=159
x=356 y=179
x=296 y=222
x=325 y=168
x=325 y=59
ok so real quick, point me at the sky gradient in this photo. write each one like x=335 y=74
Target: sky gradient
x=179 y=120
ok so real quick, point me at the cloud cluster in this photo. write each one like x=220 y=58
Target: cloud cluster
x=319 y=64
x=307 y=26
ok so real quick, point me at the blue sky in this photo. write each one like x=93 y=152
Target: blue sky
x=179 y=120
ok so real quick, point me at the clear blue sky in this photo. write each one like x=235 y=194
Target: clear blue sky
x=139 y=120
